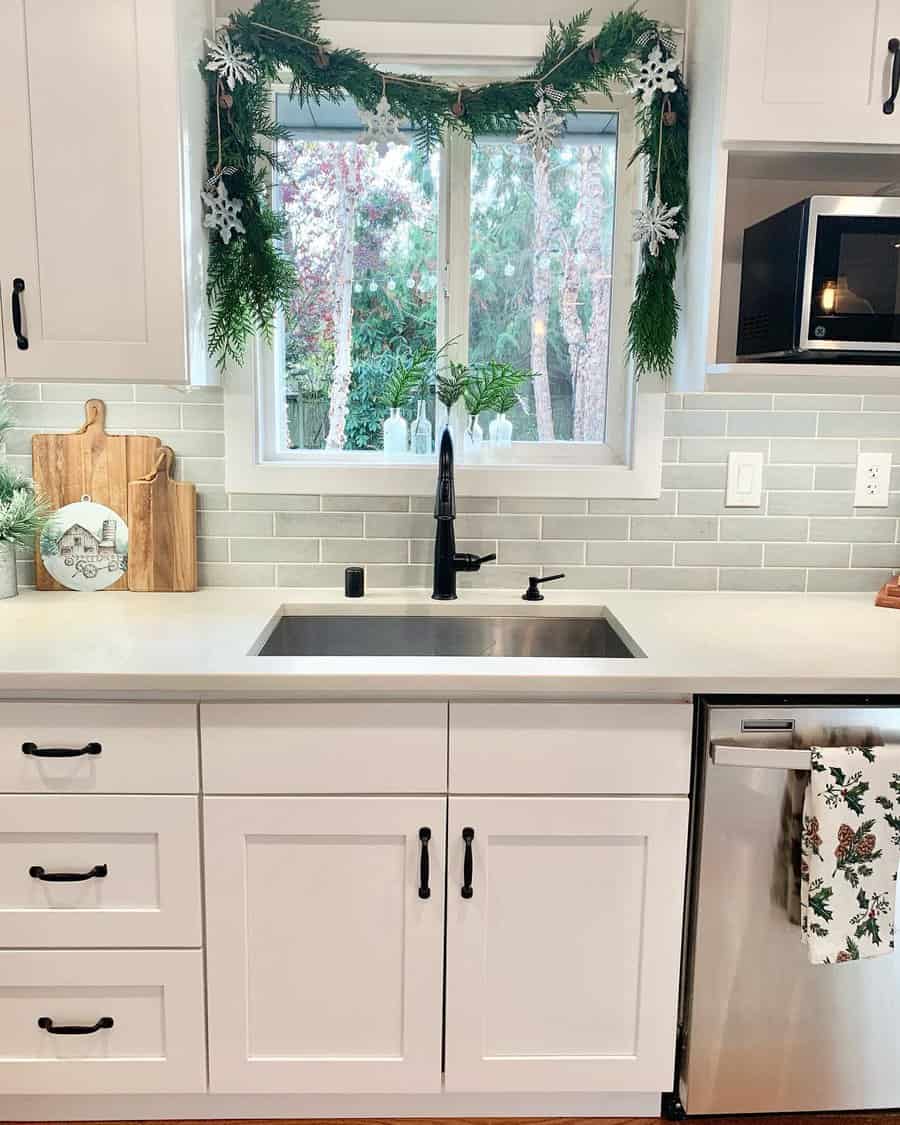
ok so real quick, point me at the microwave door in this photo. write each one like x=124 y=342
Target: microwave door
x=852 y=286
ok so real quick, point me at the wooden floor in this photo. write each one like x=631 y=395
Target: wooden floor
x=887 y=1118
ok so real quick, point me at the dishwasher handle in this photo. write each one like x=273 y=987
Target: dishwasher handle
x=756 y=757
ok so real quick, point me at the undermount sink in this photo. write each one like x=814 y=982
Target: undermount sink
x=438 y=635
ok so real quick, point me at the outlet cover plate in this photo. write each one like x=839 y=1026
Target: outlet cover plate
x=873 y=480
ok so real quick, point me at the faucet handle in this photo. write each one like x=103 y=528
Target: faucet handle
x=467 y=562
x=533 y=594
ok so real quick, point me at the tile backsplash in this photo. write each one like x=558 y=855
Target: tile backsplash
x=806 y=535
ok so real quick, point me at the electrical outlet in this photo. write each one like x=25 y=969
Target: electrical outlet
x=873 y=480
x=744 y=483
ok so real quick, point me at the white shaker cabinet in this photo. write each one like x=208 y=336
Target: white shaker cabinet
x=102 y=114
x=563 y=942
x=810 y=71
x=324 y=961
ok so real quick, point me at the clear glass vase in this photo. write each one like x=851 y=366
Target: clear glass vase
x=500 y=432
x=421 y=432
x=474 y=437
x=396 y=433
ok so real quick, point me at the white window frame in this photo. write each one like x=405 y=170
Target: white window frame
x=628 y=465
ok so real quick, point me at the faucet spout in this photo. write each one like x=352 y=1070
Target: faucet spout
x=447 y=561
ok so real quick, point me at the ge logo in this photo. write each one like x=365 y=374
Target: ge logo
x=819 y=332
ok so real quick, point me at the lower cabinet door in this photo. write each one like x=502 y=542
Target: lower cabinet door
x=325 y=943
x=101 y=1022
x=563 y=942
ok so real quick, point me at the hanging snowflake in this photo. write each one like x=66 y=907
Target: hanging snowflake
x=231 y=63
x=223 y=212
x=382 y=127
x=655 y=74
x=539 y=128
x=655 y=224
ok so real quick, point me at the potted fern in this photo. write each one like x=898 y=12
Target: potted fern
x=22 y=516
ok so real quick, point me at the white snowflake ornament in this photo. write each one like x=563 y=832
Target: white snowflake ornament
x=382 y=126
x=655 y=74
x=223 y=212
x=655 y=224
x=539 y=128
x=230 y=63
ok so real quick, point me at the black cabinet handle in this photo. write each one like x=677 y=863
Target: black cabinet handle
x=46 y=1024
x=60 y=751
x=100 y=871
x=893 y=49
x=17 y=290
x=424 y=868
x=468 y=835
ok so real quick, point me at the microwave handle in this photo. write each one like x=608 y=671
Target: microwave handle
x=894 y=50
x=756 y=757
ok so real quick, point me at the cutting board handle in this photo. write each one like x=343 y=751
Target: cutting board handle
x=94 y=415
x=165 y=459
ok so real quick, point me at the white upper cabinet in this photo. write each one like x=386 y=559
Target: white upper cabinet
x=101 y=249
x=815 y=71
x=563 y=942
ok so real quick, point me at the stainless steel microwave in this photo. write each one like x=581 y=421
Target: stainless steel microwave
x=821 y=281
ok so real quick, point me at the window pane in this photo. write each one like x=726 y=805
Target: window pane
x=363 y=235
x=541 y=263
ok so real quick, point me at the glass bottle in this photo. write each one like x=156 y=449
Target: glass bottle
x=421 y=434
x=396 y=433
x=500 y=432
x=474 y=435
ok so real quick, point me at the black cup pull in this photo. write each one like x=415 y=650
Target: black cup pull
x=35 y=751
x=424 y=867
x=468 y=835
x=46 y=1024
x=100 y=871
x=18 y=289
x=893 y=49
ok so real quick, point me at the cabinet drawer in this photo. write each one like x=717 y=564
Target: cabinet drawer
x=137 y=859
x=324 y=747
x=144 y=748
x=602 y=748
x=154 y=999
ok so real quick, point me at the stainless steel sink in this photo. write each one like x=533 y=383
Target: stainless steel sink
x=421 y=635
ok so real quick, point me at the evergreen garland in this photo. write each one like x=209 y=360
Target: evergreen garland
x=249 y=278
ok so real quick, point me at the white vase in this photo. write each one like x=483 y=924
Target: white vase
x=396 y=433
x=500 y=432
x=421 y=434
x=474 y=436
x=9 y=587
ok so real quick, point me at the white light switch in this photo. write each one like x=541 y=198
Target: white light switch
x=873 y=480
x=744 y=488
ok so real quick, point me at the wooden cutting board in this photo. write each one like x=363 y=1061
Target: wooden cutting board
x=92 y=463
x=162 y=530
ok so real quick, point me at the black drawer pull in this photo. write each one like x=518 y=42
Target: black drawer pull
x=100 y=871
x=893 y=49
x=424 y=869
x=468 y=835
x=17 y=290
x=61 y=751
x=46 y=1024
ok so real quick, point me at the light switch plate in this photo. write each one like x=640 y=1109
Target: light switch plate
x=744 y=488
x=873 y=480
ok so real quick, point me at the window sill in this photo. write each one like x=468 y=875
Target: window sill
x=247 y=471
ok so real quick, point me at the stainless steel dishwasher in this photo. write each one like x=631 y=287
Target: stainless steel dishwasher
x=762 y=1030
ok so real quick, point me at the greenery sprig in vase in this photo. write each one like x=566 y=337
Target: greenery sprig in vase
x=22 y=517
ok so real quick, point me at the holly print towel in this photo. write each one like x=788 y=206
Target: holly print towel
x=851 y=848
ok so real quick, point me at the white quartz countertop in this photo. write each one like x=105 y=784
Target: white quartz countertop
x=201 y=646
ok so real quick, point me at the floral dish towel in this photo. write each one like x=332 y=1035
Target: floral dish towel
x=851 y=849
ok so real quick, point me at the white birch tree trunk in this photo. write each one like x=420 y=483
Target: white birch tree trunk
x=349 y=183
x=588 y=349
x=540 y=297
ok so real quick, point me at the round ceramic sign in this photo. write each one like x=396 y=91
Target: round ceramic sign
x=84 y=546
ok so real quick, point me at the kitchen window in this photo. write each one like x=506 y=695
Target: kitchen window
x=477 y=252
